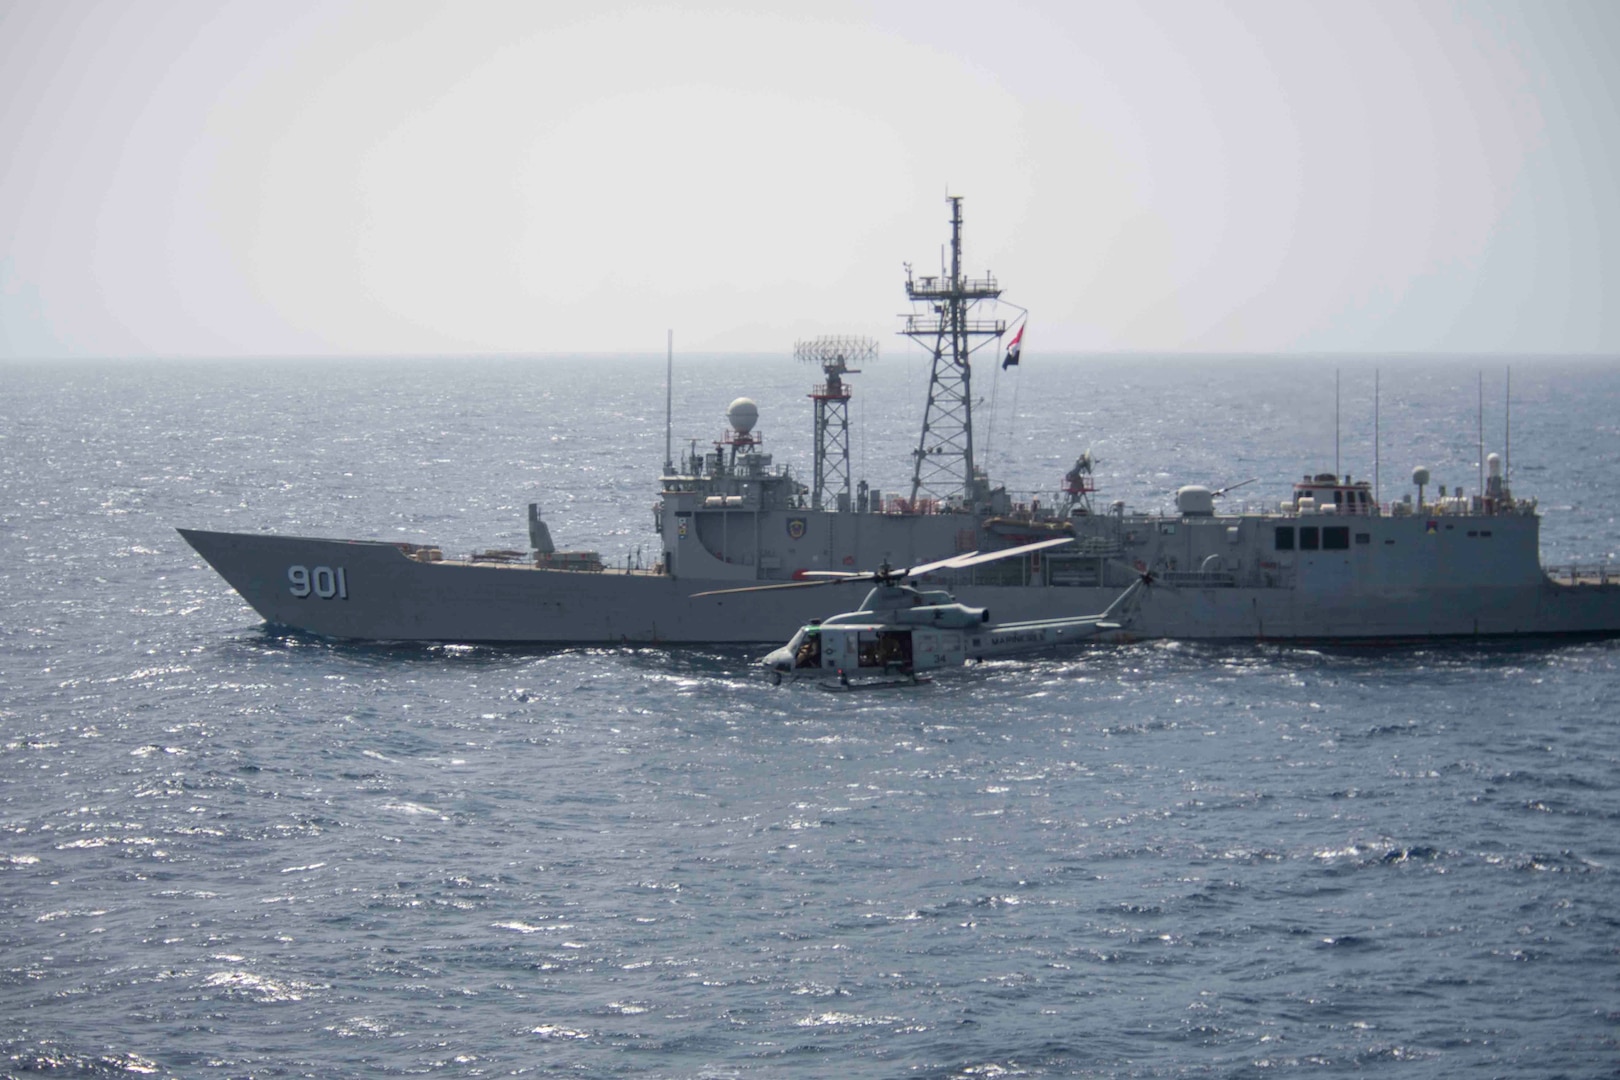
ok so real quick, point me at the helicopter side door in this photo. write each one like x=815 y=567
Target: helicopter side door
x=884 y=649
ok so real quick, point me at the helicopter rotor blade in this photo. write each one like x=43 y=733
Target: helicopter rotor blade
x=785 y=585
x=927 y=568
x=840 y=577
x=975 y=558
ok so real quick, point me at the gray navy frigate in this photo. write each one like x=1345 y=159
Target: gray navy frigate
x=1331 y=563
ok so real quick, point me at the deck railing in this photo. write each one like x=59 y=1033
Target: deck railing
x=1576 y=574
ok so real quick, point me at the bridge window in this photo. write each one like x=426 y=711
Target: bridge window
x=1308 y=537
x=1336 y=538
x=1285 y=538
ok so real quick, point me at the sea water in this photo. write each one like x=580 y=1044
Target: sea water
x=226 y=851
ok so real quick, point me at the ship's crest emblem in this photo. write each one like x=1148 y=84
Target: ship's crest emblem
x=796 y=527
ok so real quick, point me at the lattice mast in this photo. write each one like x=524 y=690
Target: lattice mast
x=942 y=322
x=834 y=354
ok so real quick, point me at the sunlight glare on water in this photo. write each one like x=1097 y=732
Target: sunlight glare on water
x=230 y=852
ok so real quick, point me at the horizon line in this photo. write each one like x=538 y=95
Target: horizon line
x=1063 y=354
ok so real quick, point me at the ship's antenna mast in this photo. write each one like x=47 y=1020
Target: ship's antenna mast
x=834 y=354
x=1378 y=462
x=940 y=322
x=669 y=406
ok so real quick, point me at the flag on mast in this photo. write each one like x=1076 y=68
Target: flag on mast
x=1013 y=350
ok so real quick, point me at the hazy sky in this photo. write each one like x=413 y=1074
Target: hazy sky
x=395 y=177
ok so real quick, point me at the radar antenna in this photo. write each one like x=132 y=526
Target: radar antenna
x=941 y=322
x=834 y=354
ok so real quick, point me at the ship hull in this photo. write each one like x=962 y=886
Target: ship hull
x=368 y=590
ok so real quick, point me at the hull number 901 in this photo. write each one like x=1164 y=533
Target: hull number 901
x=321 y=581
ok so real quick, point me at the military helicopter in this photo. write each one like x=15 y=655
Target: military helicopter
x=900 y=631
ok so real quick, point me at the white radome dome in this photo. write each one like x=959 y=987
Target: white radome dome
x=742 y=415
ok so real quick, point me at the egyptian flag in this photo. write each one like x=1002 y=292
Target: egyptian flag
x=1013 y=350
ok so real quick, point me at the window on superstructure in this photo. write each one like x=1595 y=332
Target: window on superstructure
x=1308 y=537
x=1285 y=538
x=1336 y=538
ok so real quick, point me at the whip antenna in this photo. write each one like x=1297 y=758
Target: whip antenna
x=669 y=399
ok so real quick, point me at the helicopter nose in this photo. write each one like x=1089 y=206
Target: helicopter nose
x=780 y=661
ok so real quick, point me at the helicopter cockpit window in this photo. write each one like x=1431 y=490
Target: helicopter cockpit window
x=807 y=653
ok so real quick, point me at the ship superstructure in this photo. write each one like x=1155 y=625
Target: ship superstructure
x=1330 y=563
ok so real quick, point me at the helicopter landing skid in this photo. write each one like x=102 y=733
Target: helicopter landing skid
x=845 y=686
